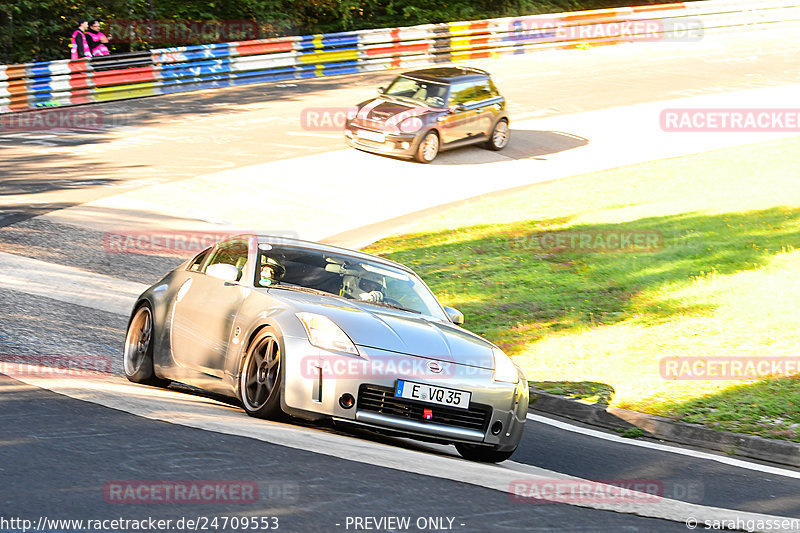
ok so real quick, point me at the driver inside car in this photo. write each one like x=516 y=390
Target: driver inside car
x=435 y=95
x=373 y=291
x=362 y=288
x=271 y=272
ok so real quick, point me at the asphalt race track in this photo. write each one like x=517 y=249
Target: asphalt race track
x=243 y=158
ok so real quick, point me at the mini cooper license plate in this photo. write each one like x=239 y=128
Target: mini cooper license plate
x=432 y=394
x=371 y=136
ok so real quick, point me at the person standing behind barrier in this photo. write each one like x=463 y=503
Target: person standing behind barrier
x=78 y=47
x=97 y=40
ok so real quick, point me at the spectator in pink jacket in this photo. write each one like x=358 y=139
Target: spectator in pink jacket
x=78 y=47
x=97 y=40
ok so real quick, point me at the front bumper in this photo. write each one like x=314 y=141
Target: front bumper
x=315 y=383
x=413 y=427
x=395 y=144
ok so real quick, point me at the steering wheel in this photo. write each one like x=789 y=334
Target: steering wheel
x=392 y=301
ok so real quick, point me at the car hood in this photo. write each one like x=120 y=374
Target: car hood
x=385 y=112
x=373 y=326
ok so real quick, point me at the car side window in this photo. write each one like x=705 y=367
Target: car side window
x=434 y=94
x=484 y=90
x=230 y=253
x=493 y=88
x=197 y=262
x=462 y=93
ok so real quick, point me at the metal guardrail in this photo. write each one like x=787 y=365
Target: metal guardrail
x=189 y=68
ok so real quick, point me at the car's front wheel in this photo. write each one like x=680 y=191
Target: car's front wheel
x=261 y=376
x=137 y=359
x=483 y=454
x=429 y=148
x=500 y=136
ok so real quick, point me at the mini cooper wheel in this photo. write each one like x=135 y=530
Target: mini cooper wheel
x=483 y=454
x=429 y=148
x=261 y=376
x=137 y=359
x=500 y=135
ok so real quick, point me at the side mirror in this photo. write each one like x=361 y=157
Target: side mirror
x=455 y=316
x=456 y=108
x=381 y=90
x=224 y=272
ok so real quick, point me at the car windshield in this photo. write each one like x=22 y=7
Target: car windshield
x=426 y=92
x=370 y=282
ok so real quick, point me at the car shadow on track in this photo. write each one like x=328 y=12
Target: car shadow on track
x=524 y=144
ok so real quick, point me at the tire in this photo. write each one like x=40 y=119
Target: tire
x=137 y=357
x=428 y=148
x=482 y=454
x=261 y=376
x=500 y=136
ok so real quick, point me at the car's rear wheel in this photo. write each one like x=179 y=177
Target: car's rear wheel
x=483 y=454
x=429 y=148
x=500 y=136
x=261 y=376
x=137 y=359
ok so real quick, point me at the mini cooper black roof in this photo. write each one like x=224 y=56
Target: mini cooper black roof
x=448 y=74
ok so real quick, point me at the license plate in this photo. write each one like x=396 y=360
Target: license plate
x=432 y=394
x=371 y=136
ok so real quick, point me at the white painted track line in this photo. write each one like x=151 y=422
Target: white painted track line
x=757 y=467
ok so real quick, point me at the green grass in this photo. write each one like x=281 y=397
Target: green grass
x=726 y=281
x=583 y=391
x=631 y=433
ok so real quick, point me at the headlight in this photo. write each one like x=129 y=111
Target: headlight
x=504 y=368
x=411 y=125
x=324 y=333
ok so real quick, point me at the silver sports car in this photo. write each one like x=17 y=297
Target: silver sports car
x=314 y=331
